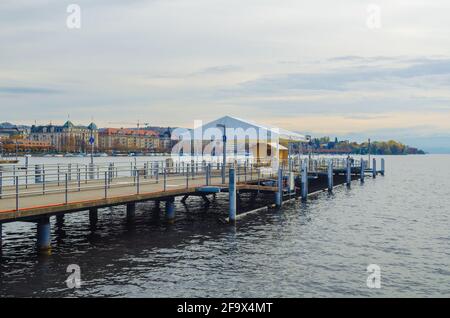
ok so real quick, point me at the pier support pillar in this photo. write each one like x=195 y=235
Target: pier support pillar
x=43 y=235
x=330 y=176
x=232 y=195
x=374 y=168
x=363 y=169
x=93 y=216
x=348 y=173
x=60 y=220
x=279 y=193
x=131 y=211
x=304 y=181
x=170 y=210
x=382 y=166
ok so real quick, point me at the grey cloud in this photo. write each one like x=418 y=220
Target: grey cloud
x=18 y=90
x=341 y=79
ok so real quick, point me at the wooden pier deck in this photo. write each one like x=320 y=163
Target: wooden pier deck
x=38 y=195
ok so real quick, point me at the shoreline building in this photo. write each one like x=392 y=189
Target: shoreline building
x=66 y=138
x=125 y=140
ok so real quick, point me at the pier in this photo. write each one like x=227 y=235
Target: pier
x=35 y=193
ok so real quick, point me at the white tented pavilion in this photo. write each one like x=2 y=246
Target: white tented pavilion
x=245 y=139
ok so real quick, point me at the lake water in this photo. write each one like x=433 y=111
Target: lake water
x=399 y=222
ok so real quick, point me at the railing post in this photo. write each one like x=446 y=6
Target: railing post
x=57 y=172
x=106 y=184
x=138 y=178
x=165 y=179
x=79 y=179
x=17 y=193
x=157 y=172
x=187 y=176
x=66 y=187
x=43 y=180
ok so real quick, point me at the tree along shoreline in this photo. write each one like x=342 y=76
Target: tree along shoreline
x=391 y=147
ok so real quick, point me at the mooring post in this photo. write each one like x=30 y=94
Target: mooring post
x=348 y=173
x=305 y=180
x=170 y=210
x=60 y=220
x=382 y=166
x=131 y=211
x=363 y=169
x=93 y=216
x=43 y=235
x=374 y=168
x=279 y=193
x=330 y=176
x=232 y=195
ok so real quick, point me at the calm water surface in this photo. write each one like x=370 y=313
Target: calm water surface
x=322 y=248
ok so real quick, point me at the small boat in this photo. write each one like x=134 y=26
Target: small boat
x=102 y=154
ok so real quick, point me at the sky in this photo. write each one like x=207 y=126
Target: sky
x=352 y=68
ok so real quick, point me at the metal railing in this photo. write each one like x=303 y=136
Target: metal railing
x=20 y=181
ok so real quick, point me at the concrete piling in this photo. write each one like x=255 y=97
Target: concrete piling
x=93 y=216
x=348 y=173
x=43 y=235
x=170 y=210
x=330 y=175
x=279 y=193
x=60 y=220
x=374 y=168
x=232 y=195
x=304 y=183
x=131 y=211
x=363 y=169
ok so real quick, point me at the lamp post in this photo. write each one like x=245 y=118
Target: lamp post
x=224 y=140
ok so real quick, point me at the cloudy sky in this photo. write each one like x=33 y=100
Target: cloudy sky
x=325 y=67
